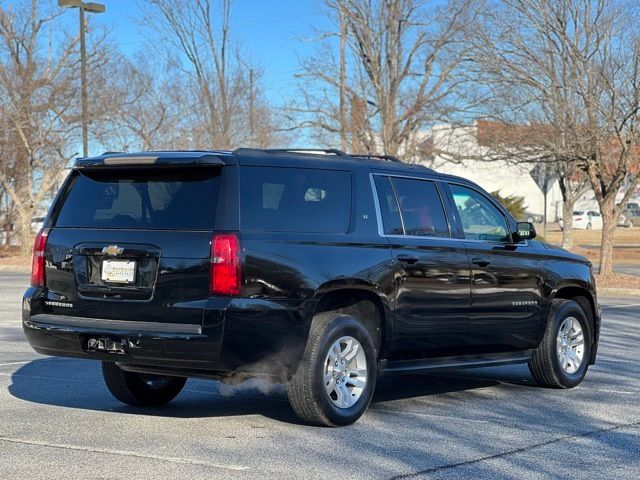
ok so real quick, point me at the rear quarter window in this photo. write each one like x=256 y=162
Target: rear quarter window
x=279 y=199
x=140 y=199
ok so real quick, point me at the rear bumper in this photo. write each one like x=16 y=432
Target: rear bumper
x=145 y=343
x=252 y=336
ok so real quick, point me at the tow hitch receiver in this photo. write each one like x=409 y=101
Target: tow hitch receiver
x=105 y=344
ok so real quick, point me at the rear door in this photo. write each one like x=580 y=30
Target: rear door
x=133 y=243
x=506 y=280
x=431 y=269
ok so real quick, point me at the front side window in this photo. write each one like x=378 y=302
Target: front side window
x=295 y=200
x=481 y=219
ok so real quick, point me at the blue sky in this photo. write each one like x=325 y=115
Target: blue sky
x=268 y=32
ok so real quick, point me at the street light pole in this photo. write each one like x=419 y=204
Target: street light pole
x=83 y=87
x=93 y=8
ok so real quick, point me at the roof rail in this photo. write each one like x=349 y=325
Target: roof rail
x=389 y=158
x=312 y=151
x=332 y=152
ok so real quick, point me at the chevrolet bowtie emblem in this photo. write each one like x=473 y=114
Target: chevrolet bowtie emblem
x=112 y=250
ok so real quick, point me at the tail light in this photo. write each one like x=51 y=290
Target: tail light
x=225 y=273
x=37 y=262
x=578 y=219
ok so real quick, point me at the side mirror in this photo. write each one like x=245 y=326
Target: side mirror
x=526 y=231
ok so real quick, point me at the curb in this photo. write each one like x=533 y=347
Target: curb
x=618 y=292
x=14 y=269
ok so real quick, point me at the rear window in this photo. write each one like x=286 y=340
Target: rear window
x=143 y=199
x=295 y=200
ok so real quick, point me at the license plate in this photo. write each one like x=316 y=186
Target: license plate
x=119 y=271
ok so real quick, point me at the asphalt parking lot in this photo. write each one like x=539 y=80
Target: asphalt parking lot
x=57 y=420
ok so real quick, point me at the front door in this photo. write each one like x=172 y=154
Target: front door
x=431 y=269
x=505 y=276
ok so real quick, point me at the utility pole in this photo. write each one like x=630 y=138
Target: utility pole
x=343 y=80
x=93 y=8
x=252 y=118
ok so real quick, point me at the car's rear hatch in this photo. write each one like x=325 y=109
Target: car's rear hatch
x=132 y=243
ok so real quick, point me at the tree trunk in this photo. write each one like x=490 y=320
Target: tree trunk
x=609 y=221
x=567 y=223
x=26 y=235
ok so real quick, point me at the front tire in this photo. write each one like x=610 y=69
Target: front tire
x=335 y=380
x=562 y=358
x=141 y=390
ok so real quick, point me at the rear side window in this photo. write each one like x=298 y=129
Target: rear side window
x=388 y=207
x=411 y=207
x=141 y=199
x=295 y=200
x=421 y=208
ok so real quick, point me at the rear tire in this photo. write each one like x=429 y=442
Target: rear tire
x=139 y=389
x=319 y=386
x=547 y=365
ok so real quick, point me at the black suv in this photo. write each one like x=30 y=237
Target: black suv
x=318 y=269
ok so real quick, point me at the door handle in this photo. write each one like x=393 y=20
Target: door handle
x=481 y=262
x=410 y=259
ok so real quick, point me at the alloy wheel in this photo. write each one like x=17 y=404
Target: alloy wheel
x=570 y=345
x=345 y=372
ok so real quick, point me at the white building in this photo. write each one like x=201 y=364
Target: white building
x=457 y=151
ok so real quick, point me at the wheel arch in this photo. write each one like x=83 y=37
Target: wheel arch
x=366 y=304
x=585 y=298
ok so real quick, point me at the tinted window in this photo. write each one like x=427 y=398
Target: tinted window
x=481 y=219
x=420 y=207
x=145 y=199
x=295 y=200
x=392 y=225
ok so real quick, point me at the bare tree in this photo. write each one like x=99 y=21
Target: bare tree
x=143 y=106
x=222 y=105
x=402 y=55
x=37 y=99
x=524 y=56
x=571 y=69
x=609 y=87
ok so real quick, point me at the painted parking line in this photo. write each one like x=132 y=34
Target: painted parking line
x=630 y=305
x=15 y=363
x=124 y=453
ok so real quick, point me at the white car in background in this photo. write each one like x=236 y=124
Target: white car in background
x=586 y=220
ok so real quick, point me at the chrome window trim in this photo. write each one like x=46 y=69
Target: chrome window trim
x=419 y=237
x=376 y=202
x=395 y=195
x=378 y=211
